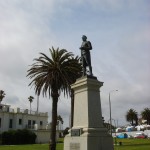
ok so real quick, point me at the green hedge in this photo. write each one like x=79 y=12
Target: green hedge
x=16 y=137
x=0 y=138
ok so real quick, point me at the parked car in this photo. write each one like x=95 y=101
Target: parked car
x=140 y=136
x=148 y=136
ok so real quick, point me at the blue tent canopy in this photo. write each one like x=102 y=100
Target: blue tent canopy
x=122 y=136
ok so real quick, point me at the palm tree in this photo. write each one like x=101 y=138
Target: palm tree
x=59 y=123
x=146 y=115
x=2 y=95
x=59 y=120
x=30 y=98
x=53 y=76
x=131 y=116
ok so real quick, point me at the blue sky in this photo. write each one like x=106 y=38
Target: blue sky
x=119 y=31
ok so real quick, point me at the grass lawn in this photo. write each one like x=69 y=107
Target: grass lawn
x=31 y=147
x=127 y=144
x=133 y=144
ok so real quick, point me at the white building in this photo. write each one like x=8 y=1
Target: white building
x=16 y=118
x=21 y=119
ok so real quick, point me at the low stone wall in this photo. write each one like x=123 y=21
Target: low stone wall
x=43 y=136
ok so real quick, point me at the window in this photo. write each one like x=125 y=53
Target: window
x=20 y=121
x=29 y=124
x=0 y=122
x=41 y=123
x=33 y=122
x=10 y=123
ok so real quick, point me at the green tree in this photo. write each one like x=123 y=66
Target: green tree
x=30 y=98
x=65 y=132
x=59 y=119
x=59 y=124
x=2 y=95
x=146 y=115
x=53 y=76
x=132 y=116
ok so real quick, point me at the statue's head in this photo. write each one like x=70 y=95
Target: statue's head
x=84 y=38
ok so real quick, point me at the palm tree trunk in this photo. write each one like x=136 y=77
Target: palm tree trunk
x=54 y=122
x=72 y=107
x=30 y=107
x=136 y=122
x=148 y=121
x=132 y=122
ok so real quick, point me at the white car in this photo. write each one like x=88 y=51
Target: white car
x=130 y=136
x=148 y=136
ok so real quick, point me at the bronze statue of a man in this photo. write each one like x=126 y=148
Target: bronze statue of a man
x=85 y=55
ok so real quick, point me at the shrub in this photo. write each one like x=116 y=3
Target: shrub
x=0 y=138
x=15 y=137
x=65 y=132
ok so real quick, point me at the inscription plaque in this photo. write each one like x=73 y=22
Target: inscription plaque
x=75 y=132
x=74 y=146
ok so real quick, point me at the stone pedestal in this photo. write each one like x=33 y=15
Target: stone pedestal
x=88 y=132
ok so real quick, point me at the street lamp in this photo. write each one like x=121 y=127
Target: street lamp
x=110 y=111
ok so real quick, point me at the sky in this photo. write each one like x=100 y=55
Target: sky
x=119 y=31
